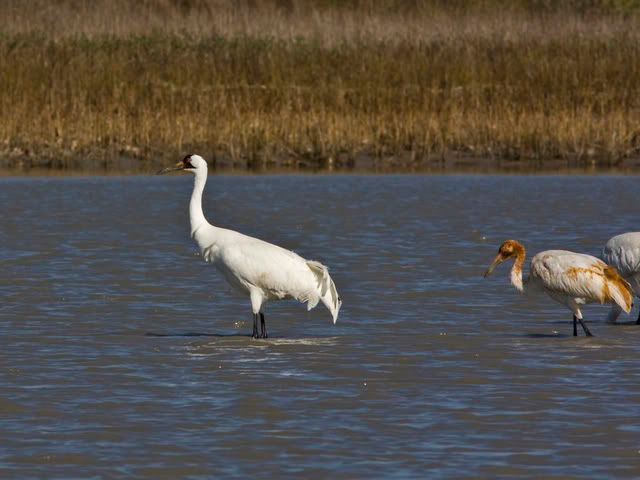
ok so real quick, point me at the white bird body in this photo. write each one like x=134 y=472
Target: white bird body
x=623 y=252
x=572 y=279
x=260 y=269
x=265 y=271
x=576 y=277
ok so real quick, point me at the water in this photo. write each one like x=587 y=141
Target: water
x=123 y=355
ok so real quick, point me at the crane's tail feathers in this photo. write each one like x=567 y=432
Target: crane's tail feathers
x=326 y=289
x=617 y=289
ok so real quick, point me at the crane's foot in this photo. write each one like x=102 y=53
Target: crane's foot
x=263 y=327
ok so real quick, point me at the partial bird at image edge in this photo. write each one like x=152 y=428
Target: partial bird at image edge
x=623 y=252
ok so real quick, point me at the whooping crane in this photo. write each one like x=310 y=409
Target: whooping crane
x=262 y=270
x=572 y=279
x=623 y=252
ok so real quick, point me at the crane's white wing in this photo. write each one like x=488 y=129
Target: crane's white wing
x=278 y=272
x=249 y=263
x=623 y=252
x=580 y=276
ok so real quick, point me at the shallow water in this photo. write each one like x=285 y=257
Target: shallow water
x=123 y=355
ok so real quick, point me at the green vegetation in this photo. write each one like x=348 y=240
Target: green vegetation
x=318 y=83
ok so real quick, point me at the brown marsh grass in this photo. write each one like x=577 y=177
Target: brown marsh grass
x=317 y=83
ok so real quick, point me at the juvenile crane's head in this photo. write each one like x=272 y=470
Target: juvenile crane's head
x=508 y=249
x=190 y=163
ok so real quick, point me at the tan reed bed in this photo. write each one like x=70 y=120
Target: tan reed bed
x=291 y=84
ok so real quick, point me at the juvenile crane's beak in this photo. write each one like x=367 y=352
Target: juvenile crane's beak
x=177 y=166
x=496 y=261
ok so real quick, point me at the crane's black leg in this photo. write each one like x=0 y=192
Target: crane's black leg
x=638 y=321
x=575 y=326
x=263 y=326
x=584 y=327
x=255 y=326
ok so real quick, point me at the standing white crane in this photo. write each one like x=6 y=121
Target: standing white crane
x=262 y=270
x=572 y=279
x=623 y=252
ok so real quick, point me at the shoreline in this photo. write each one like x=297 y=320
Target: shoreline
x=453 y=163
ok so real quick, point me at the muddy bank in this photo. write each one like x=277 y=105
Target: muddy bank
x=136 y=162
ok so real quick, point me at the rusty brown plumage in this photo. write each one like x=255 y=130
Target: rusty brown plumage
x=612 y=279
x=611 y=274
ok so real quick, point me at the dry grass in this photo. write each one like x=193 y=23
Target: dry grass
x=316 y=83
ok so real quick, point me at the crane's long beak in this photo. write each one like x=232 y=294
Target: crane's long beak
x=496 y=261
x=177 y=166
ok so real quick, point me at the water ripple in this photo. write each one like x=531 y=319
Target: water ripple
x=123 y=355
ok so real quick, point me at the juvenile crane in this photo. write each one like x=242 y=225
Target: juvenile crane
x=572 y=279
x=259 y=269
x=623 y=252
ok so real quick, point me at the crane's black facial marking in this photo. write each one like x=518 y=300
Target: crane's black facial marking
x=186 y=161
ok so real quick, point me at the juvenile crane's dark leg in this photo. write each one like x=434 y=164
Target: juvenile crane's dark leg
x=584 y=327
x=575 y=326
x=255 y=326
x=263 y=326
x=638 y=321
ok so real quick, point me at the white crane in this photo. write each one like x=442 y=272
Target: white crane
x=572 y=279
x=262 y=270
x=623 y=252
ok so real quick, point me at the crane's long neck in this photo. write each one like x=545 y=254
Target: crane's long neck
x=516 y=269
x=196 y=215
